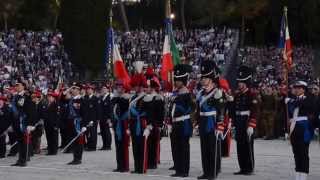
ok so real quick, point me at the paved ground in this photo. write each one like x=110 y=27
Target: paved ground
x=273 y=161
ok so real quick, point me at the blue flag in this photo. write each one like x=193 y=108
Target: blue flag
x=282 y=40
x=108 y=57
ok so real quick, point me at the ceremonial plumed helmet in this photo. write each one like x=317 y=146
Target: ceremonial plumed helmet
x=209 y=69
x=138 y=80
x=181 y=72
x=152 y=79
x=138 y=66
x=244 y=74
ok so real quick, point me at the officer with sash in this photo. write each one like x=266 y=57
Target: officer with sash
x=22 y=124
x=154 y=108
x=78 y=128
x=211 y=104
x=301 y=128
x=181 y=121
x=120 y=103
x=138 y=123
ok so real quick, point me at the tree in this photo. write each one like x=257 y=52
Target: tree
x=35 y=15
x=123 y=15
x=183 y=18
x=55 y=8
x=84 y=25
x=9 y=8
x=246 y=10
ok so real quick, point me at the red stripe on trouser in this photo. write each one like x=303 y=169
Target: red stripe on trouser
x=81 y=140
x=27 y=138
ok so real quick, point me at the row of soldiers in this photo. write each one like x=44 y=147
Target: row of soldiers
x=29 y=114
x=140 y=114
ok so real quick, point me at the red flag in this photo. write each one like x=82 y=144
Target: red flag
x=119 y=68
x=167 y=64
x=287 y=53
x=285 y=41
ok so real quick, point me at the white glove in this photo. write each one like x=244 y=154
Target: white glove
x=10 y=129
x=128 y=132
x=250 y=131
x=286 y=100
x=169 y=129
x=229 y=98
x=286 y=136
x=219 y=134
x=83 y=129
x=146 y=132
x=30 y=128
x=316 y=132
x=109 y=122
x=149 y=127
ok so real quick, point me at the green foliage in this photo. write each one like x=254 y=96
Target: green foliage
x=8 y=9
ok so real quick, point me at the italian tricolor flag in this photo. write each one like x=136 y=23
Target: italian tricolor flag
x=169 y=60
x=119 y=68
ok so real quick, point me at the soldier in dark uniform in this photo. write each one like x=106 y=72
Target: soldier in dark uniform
x=22 y=124
x=65 y=123
x=244 y=116
x=211 y=111
x=120 y=103
x=5 y=120
x=11 y=134
x=138 y=123
x=37 y=133
x=92 y=110
x=154 y=108
x=79 y=127
x=301 y=128
x=50 y=115
x=106 y=116
x=181 y=121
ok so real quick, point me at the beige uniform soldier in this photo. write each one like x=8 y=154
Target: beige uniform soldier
x=268 y=111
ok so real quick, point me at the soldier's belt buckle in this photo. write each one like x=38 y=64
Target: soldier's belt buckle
x=243 y=113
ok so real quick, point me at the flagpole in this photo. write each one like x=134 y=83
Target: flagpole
x=169 y=24
x=111 y=47
x=286 y=73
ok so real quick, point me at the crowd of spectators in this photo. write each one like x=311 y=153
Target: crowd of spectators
x=38 y=57
x=194 y=45
x=268 y=65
